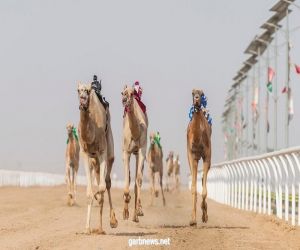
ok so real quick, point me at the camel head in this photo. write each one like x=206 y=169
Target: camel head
x=197 y=93
x=127 y=96
x=171 y=155
x=70 y=128
x=84 y=96
x=151 y=137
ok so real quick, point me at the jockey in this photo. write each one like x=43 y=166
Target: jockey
x=96 y=85
x=137 y=90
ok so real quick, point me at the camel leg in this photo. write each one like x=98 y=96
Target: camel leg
x=156 y=184
x=113 y=219
x=126 y=159
x=102 y=186
x=89 y=193
x=73 y=185
x=135 y=215
x=152 y=186
x=193 y=221
x=206 y=166
x=161 y=188
x=139 y=179
x=68 y=180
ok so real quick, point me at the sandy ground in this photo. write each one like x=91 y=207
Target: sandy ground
x=39 y=218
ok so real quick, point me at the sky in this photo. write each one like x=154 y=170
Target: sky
x=169 y=46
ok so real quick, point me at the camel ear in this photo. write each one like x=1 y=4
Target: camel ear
x=194 y=92
x=89 y=88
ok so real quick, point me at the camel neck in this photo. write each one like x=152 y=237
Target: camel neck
x=198 y=117
x=84 y=126
x=71 y=137
x=133 y=122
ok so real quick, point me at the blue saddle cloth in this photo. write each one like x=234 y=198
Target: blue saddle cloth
x=203 y=105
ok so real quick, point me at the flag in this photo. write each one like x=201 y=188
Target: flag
x=254 y=105
x=291 y=105
x=297 y=67
x=284 y=90
x=270 y=87
x=271 y=74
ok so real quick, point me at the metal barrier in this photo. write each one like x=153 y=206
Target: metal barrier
x=265 y=184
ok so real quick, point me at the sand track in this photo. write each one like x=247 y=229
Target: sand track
x=39 y=218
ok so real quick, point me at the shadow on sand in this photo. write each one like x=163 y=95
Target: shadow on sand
x=201 y=227
x=134 y=234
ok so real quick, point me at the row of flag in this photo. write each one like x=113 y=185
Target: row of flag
x=271 y=74
x=288 y=91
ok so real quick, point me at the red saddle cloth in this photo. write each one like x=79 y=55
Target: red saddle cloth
x=140 y=103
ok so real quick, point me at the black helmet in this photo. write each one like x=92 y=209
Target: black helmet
x=95 y=78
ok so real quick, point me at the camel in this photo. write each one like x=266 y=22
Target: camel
x=96 y=142
x=170 y=169
x=135 y=124
x=155 y=163
x=72 y=163
x=177 y=172
x=198 y=147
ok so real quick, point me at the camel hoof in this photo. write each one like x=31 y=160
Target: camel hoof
x=156 y=193
x=140 y=212
x=125 y=214
x=164 y=202
x=204 y=211
x=135 y=218
x=100 y=231
x=204 y=218
x=193 y=223
x=113 y=220
x=88 y=231
x=70 y=200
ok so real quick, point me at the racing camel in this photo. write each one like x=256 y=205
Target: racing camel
x=155 y=163
x=199 y=147
x=96 y=142
x=135 y=124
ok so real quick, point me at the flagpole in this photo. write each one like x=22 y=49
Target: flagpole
x=247 y=114
x=267 y=102
x=253 y=112
x=275 y=90
x=287 y=79
x=259 y=103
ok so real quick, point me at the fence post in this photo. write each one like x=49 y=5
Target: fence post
x=291 y=164
x=298 y=166
x=247 y=175
x=259 y=185
x=286 y=189
x=279 y=185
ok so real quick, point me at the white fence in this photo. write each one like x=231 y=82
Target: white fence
x=267 y=184
x=27 y=179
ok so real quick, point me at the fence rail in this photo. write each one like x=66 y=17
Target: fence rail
x=254 y=183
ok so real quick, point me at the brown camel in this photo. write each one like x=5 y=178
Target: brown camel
x=135 y=124
x=96 y=141
x=170 y=170
x=198 y=147
x=72 y=163
x=155 y=163
x=177 y=172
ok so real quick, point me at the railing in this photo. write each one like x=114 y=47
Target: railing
x=265 y=184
